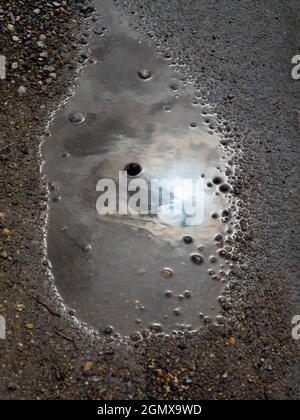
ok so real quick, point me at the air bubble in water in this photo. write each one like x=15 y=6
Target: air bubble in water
x=108 y=330
x=167 y=108
x=76 y=118
x=144 y=74
x=167 y=273
x=187 y=294
x=188 y=239
x=224 y=188
x=197 y=259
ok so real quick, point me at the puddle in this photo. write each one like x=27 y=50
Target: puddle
x=135 y=109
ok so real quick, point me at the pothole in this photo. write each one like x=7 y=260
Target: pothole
x=163 y=270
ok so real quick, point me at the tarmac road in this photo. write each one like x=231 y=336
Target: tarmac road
x=240 y=53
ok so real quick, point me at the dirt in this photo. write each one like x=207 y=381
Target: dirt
x=240 y=57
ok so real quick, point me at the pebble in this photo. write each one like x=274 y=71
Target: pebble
x=88 y=366
x=49 y=69
x=11 y=387
x=136 y=337
x=40 y=44
x=22 y=90
x=156 y=327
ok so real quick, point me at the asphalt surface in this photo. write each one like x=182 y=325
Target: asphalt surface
x=240 y=54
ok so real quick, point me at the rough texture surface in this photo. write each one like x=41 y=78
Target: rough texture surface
x=240 y=53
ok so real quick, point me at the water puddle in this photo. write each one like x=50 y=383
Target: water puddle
x=135 y=110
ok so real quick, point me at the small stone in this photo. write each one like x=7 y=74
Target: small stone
x=156 y=327
x=10 y=28
x=36 y=11
x=29 y=326
x=4 y=254
x=232 y=341
x=11 y=387
x=14 y=66
x=22 y=90
x=95 y=379
x=88 y=366
x=16 y=38
x=136 y=337
x=50 y=69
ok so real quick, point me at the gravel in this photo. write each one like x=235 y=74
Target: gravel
x=239 y=55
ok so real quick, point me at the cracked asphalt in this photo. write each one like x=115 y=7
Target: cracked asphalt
x=239 y=53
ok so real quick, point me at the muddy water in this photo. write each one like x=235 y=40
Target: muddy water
x=134 y=103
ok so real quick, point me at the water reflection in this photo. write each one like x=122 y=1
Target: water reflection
x=127 y=272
